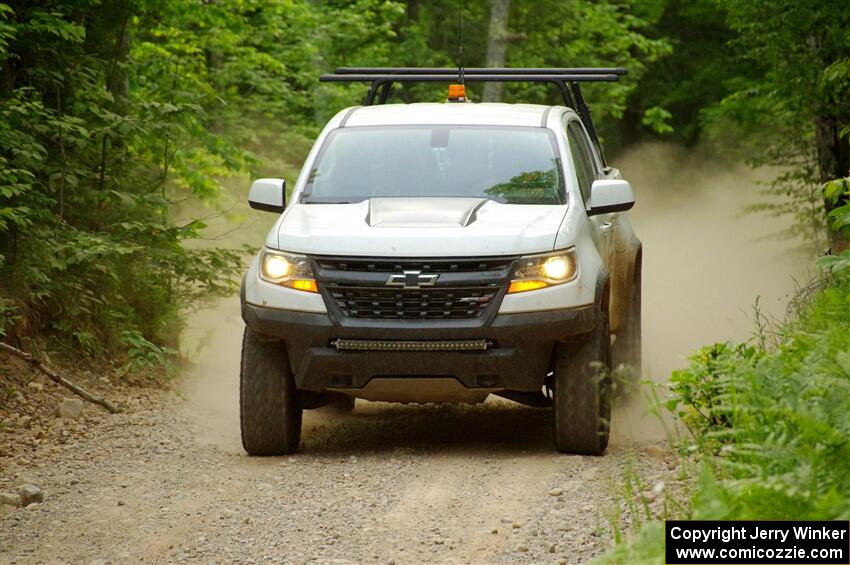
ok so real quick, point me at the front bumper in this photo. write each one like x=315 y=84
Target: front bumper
x=519 y=358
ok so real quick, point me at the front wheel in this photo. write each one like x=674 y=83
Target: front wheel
x=269 y=413
x=582 y=395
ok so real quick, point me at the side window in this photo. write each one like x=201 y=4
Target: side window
x=581 y=158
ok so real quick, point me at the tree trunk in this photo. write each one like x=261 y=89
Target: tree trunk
x=833 y=162
x=412 y=10
x=497 y=42
x=107 y=35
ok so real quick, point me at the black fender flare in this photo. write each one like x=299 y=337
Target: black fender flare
x=602 y=291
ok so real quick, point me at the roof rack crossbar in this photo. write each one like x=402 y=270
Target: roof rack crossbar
x=428 y=77
x=382 y=83
x=619 y=71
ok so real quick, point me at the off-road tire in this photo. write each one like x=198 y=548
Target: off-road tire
x=627 y=345
x=269 y=412
x=582 y=392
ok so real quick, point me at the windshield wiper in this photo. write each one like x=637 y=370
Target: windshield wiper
x=327 y=201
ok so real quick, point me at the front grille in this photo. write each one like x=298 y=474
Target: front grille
x=420 y=304
x=460 y=289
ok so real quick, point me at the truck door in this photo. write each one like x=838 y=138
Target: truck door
x=614 y=234
x=587 y=170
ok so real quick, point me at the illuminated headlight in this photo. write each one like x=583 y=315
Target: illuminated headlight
x=287 y=269
x=276 y=267
x=539 y=271
x=558 y=268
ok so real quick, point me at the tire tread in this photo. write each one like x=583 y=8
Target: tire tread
x=270 y=418
x=582 y=406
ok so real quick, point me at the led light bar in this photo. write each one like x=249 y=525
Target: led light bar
x=395 y=345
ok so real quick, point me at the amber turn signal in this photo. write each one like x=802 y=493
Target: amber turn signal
x=306 y=285
x=523 y=286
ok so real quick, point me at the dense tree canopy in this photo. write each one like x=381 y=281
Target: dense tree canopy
x=795 y=109
x=114 y=112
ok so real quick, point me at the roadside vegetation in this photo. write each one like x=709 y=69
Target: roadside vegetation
x=762 y=427
x=766 y=424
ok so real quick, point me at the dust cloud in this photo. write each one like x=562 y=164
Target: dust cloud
x=704 y=265
x=212 y=339
x=705 y=261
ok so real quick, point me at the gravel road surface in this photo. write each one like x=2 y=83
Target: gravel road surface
x=408 y=484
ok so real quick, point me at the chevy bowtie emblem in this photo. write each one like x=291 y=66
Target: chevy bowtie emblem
x=412 y=279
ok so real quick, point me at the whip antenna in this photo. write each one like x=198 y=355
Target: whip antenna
x=460 y=38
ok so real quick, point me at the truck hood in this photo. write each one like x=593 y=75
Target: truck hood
x=418 y=227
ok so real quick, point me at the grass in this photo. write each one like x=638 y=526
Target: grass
x=769 y=425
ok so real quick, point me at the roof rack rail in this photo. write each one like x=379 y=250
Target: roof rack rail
x=384 y=82
x=567 y=80
x=620 y=71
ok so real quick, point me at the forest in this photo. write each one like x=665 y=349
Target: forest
x=118 y=116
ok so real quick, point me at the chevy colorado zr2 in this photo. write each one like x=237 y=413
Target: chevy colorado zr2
x=443 y=252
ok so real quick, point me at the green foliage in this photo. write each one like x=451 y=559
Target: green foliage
x=657 y=120
x=141 y=353
x=770 y=426
x=837 y=195
x=790 y=424
x=9 y=315
x=762 y=80
x=594 y=33
x=700 y=394
x=789 y=110
x=835 y=263
x=551 y=33
x=695 y=75
x=646 y=547
x=94 y=151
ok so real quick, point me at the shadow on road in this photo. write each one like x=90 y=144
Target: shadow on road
x=496 y=426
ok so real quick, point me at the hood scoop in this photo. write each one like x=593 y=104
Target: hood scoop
x=423 y=212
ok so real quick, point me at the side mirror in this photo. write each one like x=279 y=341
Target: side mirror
x=268 y=195
x=608 y=196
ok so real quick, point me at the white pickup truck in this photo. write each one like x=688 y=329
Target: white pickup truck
x=443 y=252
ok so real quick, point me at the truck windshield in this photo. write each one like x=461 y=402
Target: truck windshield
x=514 y=165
